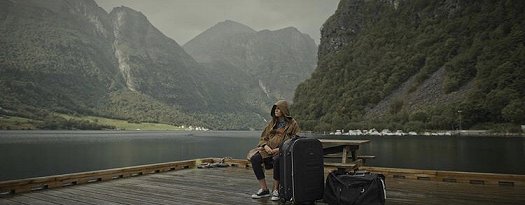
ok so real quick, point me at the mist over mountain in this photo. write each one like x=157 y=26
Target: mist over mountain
x=272 y=63
x=418 y=65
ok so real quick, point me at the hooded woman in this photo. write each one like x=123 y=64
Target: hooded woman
x=279 y=129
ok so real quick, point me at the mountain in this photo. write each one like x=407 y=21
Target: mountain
x=154 y=64
x=206 y=47
x=417 y=65
x=56 y=55
x=267 y=65
x=73 y=57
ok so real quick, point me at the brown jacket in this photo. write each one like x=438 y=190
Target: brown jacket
x=272 y=137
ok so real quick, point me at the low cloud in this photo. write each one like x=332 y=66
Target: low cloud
x=182 y=20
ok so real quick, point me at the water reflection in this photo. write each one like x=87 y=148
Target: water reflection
x=42 y=153
x=476 y=154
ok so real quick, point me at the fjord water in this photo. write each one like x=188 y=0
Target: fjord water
x=26 y=154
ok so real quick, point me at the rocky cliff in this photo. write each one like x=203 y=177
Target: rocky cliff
x=154 y=64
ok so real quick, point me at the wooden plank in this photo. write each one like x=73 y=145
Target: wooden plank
x=220 y=179
x=216 y=187
x=343 y=142
x=366 y=157
x=6 y=201
x=344 y=157
x=131 y=194
x=27 y=199
x=114 y=196
x=217 y=183
x=234 y=195
x=45 y=196
x=345 y=166
x=161 y=194
x=191 y=192
x=235 y=185
x=26 y=185
x=195 y=183
x=429 y=192
x=162 y=185
x=332 y=149
x=193 y=180
x=358 y=156
x=332 y=146
x=341 y=165
x=228 y=182
x=451 y=176
x=85 y=197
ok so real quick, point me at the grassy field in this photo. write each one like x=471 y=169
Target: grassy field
x=16 y=123
x=19 y=123
x=123 y=124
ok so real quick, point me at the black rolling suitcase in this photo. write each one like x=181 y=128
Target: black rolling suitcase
x=301 y=170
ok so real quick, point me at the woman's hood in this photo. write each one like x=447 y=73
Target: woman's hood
x=283 y=106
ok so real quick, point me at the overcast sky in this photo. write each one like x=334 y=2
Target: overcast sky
x=182 y=20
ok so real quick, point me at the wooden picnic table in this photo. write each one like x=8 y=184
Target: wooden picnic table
x=332 y=146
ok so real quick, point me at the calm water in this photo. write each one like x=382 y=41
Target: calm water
x=27 y=154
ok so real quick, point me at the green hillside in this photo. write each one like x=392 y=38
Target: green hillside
x=73 y=58
x=369 y=50
x=51 y=62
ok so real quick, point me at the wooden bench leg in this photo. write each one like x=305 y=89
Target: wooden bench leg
x=346 y=149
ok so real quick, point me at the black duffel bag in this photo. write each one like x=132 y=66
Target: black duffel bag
x=359 y=189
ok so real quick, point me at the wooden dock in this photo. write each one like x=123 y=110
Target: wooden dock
x=183 y=183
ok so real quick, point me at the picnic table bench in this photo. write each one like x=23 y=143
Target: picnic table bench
x=348 y=148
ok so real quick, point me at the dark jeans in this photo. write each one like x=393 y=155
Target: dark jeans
x=269 y=162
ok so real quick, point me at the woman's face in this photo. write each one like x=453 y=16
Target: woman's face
x=278 y=112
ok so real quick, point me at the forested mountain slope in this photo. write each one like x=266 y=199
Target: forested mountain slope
x=413 y=64
x=72 y=57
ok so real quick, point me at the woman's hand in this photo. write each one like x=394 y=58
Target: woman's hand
x=276 y=150
x=268 y=149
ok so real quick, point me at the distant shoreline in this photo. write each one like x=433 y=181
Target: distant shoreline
x=464 y=133
x=455 y=134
